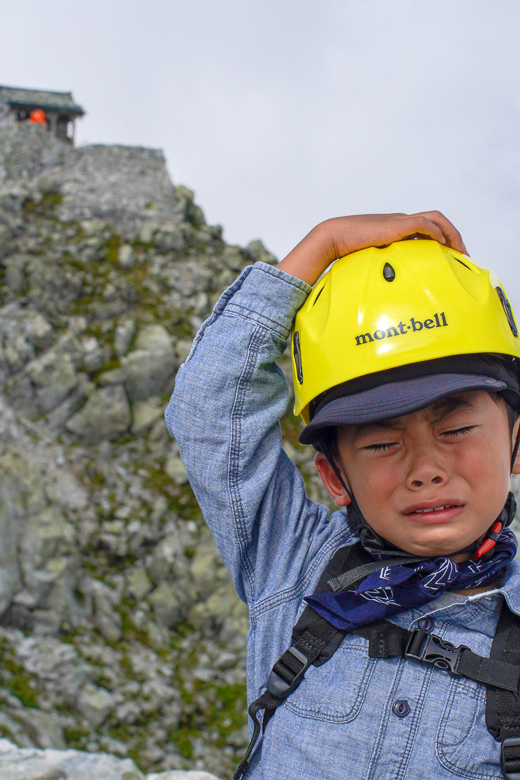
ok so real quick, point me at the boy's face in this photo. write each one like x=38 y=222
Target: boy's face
x=430 y=482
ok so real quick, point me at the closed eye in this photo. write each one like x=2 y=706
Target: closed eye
x=380 y=447
x=458 y=431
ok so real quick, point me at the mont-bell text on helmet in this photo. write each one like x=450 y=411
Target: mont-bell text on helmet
x=401 y=329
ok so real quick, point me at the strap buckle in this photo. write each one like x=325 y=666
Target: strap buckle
x=510 y=758
x=280 y=687
x=431 y=649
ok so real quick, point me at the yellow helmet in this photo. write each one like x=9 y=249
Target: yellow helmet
x=381 y=309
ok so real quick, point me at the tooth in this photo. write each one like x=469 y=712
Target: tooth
x=435 y=509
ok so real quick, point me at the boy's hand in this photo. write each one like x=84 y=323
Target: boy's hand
x=340 y=236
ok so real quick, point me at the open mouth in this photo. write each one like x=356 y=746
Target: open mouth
x=435 y=509
x=434 y=514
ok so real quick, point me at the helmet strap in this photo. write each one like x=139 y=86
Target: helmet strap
x=327 y=451
x=484 y=548
x=515 y=450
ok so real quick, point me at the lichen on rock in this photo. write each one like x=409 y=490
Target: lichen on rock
x=120 y=630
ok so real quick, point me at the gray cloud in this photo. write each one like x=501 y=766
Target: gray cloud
x=280 y=114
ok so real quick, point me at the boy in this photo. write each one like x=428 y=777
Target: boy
x=420 y=457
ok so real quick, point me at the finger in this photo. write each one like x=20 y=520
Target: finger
x=448 y=229
x=414 y=226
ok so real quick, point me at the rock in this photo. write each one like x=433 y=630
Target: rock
x=115 y=183
x=186 y=206
x=57 y=666
x=171 y=238
x=51 y=292
x=107 y=618
x=17 y=351
x=175 y=469
x=126 y=256
x=9 y=430
x=11 y=525
x=179 y=775
x=19 y=392
x=31 y=764
x=123 y=336
x=41 y=727
x=25 y=155
x=260 y=254
x=58 y=417
x=150 y=364
x=54 y=377
x=6 y=242
x=10 y=727
x=95 y=704
x=65 y=489
x=106 y=415
x=146 y=413
x=37 y=541
x=46 y=553
x=39 y=331
x=93 y=355
x=15 y=273
x=109 y=268
x=183 y=349
x=167 y=604
x=139 y=584
x=168 y=559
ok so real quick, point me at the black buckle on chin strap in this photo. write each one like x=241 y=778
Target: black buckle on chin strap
x=510 y=758
x=285 y=675
x=431 y=649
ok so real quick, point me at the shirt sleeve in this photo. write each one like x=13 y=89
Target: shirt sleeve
x=229 y=397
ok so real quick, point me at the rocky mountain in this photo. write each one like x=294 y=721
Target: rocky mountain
x=120 y=630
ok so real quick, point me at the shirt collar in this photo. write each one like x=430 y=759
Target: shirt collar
x=511 y=587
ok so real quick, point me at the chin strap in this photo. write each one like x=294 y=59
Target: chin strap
x=515 y=450
x=485 y=549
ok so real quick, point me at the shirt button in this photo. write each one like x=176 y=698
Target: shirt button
x=425 y=624
x=401 y=708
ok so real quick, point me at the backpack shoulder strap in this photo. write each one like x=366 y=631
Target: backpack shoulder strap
x=502 y=706
x=315 y=641
x=311 y=626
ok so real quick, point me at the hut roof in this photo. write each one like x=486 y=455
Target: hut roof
x=18 y=97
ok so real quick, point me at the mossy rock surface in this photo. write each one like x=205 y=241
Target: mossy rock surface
x=108 y=623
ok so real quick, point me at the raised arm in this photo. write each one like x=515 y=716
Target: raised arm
x=229 y=398
x=342 y=235
x=224 y=413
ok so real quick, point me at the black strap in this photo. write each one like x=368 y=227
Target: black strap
x=503 y=707
x=266 y=702
x=345 y=580
x=386 y=640
x=316 y=640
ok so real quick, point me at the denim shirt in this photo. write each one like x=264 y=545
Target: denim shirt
x=354 y=717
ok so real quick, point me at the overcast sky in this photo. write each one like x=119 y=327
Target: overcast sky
x=281 y=113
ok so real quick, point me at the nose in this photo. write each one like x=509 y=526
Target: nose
x=426 y=469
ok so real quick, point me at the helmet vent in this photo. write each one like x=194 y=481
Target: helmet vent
x=318 y=295
x=388 y=272
x=460 y=261
x=297 y=357
x=508 y=311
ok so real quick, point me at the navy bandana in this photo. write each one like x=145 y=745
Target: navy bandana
x=394 y=589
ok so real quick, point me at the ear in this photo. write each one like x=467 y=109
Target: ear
x=516 y=465
x=334 y=487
